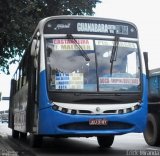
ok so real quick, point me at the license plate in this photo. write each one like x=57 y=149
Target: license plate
x=98 y=122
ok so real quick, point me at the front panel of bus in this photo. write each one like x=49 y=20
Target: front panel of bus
x=91 y=80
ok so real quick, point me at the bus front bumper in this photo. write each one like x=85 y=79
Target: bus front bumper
x=58 y=123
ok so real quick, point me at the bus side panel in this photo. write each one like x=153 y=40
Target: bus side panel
x=18 y=107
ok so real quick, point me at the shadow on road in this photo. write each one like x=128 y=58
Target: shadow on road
x=81 y=146
x=72 y=146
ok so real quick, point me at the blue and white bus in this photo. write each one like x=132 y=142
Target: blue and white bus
x=79 y=77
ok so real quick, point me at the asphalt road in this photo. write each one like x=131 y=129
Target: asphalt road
x=128 y=144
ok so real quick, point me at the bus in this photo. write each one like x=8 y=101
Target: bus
x=4 y=116
x=80 y=76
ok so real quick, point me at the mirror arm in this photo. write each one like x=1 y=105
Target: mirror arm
x=145 y=54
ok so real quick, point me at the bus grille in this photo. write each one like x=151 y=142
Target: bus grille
x=85 y=126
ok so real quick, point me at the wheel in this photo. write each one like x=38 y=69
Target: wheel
x=23 y=136
x=15 y=134
x=152 y=131
x=105 y=141
x=35 y=140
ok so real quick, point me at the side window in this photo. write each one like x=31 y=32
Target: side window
x=24 y=71
x=20 y=77
x=17 y=78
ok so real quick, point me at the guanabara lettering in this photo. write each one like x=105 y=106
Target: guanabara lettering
x=103 y=28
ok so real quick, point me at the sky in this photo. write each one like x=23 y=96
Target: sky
x=5 y=87
x=143 y=13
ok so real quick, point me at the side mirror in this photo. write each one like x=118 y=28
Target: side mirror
x=145 y=54
x=35 y=63
x=35 y=47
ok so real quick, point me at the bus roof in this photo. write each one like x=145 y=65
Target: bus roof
x=103 y=21
x=45 y=20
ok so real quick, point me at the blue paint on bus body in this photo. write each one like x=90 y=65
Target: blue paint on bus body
x=50 y=121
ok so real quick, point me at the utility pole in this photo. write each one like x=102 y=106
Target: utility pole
x=0 y=95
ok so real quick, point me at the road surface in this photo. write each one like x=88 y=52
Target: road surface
x=128 y=144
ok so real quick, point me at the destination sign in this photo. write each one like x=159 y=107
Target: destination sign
x=94 y=27
x=102 y=28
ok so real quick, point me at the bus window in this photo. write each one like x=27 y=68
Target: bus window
x=68 y=68
x=125 y=65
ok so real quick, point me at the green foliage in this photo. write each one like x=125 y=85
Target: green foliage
x=18 y=19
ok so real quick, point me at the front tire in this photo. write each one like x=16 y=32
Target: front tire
x=15 y=134
x=35 y=140
x=105 y=141
x=23 y=136
x=152 y=131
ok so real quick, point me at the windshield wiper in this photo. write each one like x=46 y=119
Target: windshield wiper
x=83 y=53
x=114 y=53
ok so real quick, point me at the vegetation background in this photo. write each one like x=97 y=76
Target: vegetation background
x=18 y=19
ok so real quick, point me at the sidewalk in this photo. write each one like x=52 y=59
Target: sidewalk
x=5 y=149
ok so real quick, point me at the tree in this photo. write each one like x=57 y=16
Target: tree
x=18 y=19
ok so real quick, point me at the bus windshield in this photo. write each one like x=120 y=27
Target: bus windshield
x=68 y=70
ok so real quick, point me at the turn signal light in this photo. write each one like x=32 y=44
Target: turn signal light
x=64 y=110
x=73 y=112
x=55 y=107
x=120 y=111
